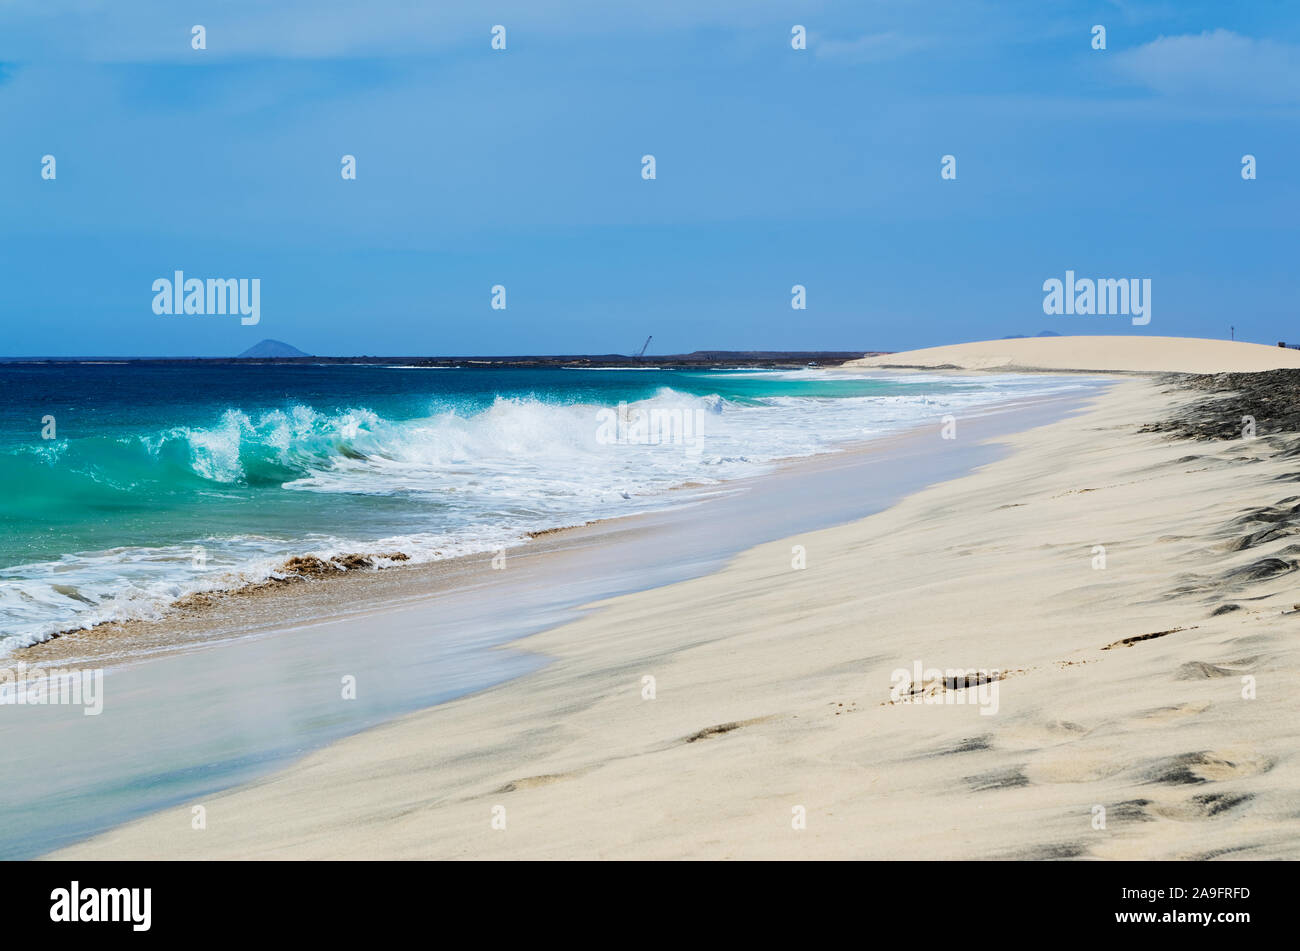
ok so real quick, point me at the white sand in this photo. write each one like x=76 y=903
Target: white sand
x=994 y=570
x=1142 y=354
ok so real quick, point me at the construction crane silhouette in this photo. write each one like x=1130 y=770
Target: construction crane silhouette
x=641 y=353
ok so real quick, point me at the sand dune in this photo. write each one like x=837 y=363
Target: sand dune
x=1144 y=707
x=1134 y=354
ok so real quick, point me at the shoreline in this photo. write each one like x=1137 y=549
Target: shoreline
x=237 y=709
x=308 y=590
x=1122 y=695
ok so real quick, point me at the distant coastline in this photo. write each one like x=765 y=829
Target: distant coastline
x=770 y=359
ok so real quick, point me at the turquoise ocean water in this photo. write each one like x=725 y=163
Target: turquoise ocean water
x=156 y=481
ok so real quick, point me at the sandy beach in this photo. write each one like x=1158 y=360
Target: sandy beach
x=1095 y=354
x=1101 y=620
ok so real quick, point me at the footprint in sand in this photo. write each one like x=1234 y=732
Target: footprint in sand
x=1200 y=806
x=1207 y=766
x=1163 y=715
x=1053 y=764
x=1199 y=670
x=1075 y=766
x=1027 y=735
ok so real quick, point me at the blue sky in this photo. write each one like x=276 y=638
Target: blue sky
x=523 y=168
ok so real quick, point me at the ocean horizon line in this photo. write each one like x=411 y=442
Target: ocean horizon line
x=694 y=358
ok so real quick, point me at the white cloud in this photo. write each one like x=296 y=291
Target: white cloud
x=1215 y=65
x=159 y=30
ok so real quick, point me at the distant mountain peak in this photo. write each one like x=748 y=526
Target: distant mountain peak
x=272 y=349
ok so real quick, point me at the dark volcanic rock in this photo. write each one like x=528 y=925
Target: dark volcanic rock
x=1272 y=398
